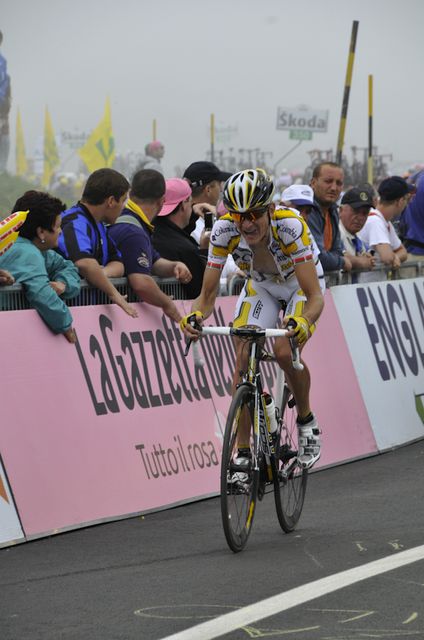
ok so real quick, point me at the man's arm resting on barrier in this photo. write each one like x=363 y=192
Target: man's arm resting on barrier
x=147 y=290
x=164 y=268
x=114 y=269
x=390 y=257
x=95 y=275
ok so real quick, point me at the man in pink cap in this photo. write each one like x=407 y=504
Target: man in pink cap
x=171 y=237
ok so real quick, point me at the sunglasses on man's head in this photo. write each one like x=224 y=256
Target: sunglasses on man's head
x=251 y=216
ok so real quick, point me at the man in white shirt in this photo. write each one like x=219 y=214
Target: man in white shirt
x=378 y=231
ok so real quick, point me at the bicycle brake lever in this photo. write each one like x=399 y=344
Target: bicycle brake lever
x=295 y=354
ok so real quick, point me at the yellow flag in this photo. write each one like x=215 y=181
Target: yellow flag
x=21 y=160
x=99 y=150
x=51 y=155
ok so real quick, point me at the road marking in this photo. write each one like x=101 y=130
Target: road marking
x=287 y=600
x=411 y=618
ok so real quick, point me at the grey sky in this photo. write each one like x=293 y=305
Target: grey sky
x=180 y=60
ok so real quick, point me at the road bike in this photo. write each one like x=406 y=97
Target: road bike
x=273 y=465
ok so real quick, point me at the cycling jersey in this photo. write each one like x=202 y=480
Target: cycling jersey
x=290 y=242
x=264 y=295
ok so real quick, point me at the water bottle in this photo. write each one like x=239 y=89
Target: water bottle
x=270 y=412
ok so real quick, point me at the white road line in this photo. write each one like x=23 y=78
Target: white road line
x=288 y=599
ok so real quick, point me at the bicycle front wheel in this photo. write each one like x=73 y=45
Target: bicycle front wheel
x=289 y=478
x=239 y=488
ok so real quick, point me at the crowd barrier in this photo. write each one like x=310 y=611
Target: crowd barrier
x=122 y=423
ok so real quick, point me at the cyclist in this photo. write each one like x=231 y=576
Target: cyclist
x=275 y=250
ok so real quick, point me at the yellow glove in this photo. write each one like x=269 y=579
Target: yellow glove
x=302 y=329
x=192 y=319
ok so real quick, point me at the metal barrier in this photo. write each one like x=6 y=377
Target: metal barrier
x=13 y=298
x=409 y=269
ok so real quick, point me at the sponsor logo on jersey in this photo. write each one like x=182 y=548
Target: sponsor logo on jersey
x=257 y=310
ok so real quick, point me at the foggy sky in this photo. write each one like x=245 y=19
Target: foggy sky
x=178 y=61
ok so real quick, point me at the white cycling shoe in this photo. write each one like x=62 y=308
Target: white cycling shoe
x=309 y=449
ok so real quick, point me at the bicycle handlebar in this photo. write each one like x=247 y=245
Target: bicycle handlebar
x=252 y=332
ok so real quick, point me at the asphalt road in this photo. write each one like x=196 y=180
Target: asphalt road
x=154 y=576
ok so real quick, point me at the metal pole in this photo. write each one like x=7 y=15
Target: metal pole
x=287 y=154
x=348 y=80
x=212 y=137
x=154 y=129
x=370 y=117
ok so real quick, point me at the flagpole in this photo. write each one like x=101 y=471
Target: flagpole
x=370 y=123
x=212 y=137
x=348 y=81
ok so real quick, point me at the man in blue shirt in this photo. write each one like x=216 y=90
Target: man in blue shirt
x=85 y=239
x=412 y=221
x=132 y=236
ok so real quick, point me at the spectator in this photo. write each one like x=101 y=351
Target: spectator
x=132 y=235
x=323 y=221
x=206 y=183
x=5 y=104
x=355 y=207
x=85 y=240
x=170 y=237
x=300 y=197
x=412 y=220
x=44 y=274
x=154 y=152
x=378 y=231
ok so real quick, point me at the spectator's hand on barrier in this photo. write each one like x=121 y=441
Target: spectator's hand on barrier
x=347 y=265
x=121 y=301
x=182 y=272
x=190 y=324
x=6 y=278
x=301 y=328
x=70 y=335
x=396 y=261
x=58 y=286
x=366 y=261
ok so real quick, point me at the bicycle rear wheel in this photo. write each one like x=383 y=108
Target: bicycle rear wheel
x=238 y=490
x=289 y=479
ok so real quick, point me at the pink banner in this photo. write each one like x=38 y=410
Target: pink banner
x=122 y=423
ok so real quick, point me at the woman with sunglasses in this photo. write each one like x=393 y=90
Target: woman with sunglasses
x=274 y=248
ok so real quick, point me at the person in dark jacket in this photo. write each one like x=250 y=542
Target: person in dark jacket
x=323 y=221
x=170 y=237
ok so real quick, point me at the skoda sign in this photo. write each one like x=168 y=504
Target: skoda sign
x=302 y=119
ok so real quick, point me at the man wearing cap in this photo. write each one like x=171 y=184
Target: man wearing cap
x=132 y=235
x=378 y=231
x=355 y=207
x=323 y=221
x=206 y=180
x=171 y=237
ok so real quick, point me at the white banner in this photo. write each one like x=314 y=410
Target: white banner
x=10 y=528
x=384 y=328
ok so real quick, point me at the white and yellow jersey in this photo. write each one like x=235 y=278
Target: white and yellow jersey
x=290 y=243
